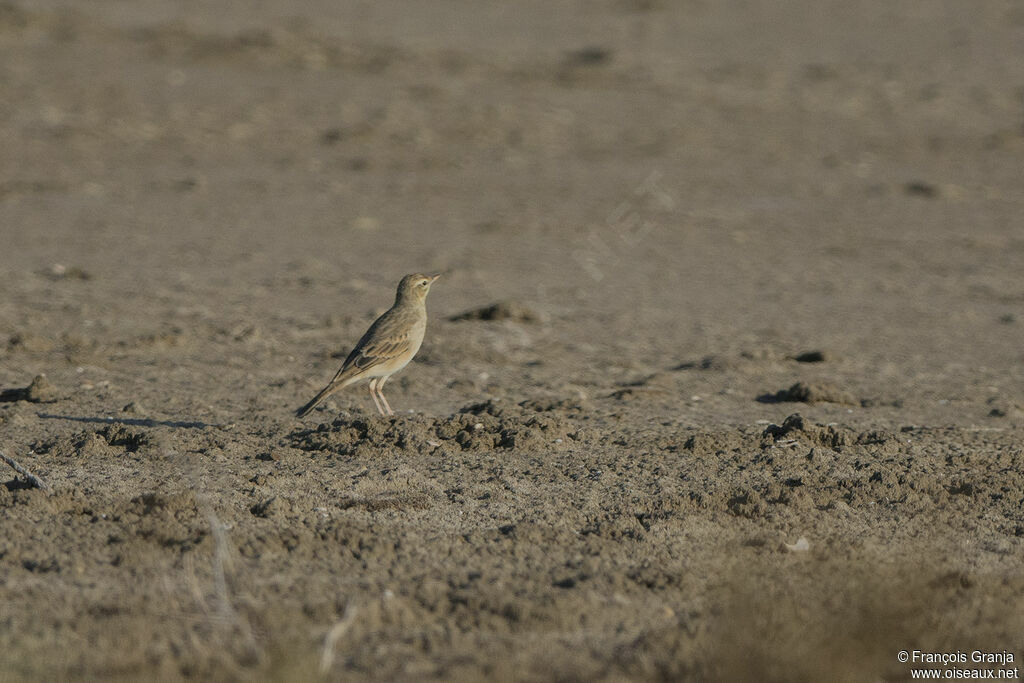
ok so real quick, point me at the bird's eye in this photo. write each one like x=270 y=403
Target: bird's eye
x=423 y=283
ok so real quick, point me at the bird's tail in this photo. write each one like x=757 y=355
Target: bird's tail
x=340 y=381
x=327 y=391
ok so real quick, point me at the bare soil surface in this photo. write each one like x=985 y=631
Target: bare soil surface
x=724 y=379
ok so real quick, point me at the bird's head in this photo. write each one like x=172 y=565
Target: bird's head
x=416 y=286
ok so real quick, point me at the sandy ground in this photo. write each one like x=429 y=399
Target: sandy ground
x=633 y=473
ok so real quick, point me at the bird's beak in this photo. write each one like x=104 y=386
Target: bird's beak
x=434 y=277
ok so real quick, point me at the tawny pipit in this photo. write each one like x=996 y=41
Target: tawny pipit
x=387 y=347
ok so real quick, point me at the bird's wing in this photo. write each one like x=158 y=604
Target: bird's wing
x=386 y=340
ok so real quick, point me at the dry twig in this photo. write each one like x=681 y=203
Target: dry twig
x=335 y=634
x=33 y=479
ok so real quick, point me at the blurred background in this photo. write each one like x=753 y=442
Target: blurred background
x=848 y=167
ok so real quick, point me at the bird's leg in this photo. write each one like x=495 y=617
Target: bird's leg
x=373 y=395
x=380 y=392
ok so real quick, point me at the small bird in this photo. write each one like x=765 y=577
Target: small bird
x=387 y=347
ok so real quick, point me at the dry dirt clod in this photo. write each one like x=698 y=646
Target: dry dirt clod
x=133 y=408
x=803 y=392
x=58 y=271
x=39 y=391
x=815 y=356
x=502 y=310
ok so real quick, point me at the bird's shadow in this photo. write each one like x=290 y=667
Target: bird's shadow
x=134 y=421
